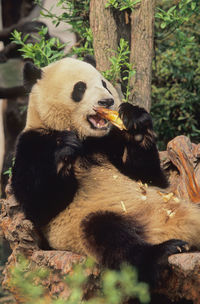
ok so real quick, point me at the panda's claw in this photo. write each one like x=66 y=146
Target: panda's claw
x=167 y=248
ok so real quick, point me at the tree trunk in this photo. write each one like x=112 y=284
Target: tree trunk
x=104 y=30
x=109 y=25
x=142 y=33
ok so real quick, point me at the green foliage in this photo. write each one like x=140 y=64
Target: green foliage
x=43 y=52
x=116 y=286
x=24 y=281
x=122 y=4
x=176 y=15
x=86 y=45
x=9 y=171
x=75 y=13
x=121 y=70
x=176 y=77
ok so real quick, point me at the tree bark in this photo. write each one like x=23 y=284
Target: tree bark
x=109 y=25
x=142 y=35
x=104 y=30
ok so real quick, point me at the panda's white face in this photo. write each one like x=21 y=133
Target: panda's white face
x=66 y=97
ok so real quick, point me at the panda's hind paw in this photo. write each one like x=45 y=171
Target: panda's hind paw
x=156 y=260
x=162 y=251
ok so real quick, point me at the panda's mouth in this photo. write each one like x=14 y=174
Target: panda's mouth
x=97 y=122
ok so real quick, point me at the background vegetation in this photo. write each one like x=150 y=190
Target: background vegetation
x=176 y=71
x=176 y=65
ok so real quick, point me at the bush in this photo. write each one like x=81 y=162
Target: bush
x=116 y=286
x=176 y=76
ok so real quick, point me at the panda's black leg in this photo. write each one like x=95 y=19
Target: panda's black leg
x=155 y=259
x=142 y=161
x=114 y=239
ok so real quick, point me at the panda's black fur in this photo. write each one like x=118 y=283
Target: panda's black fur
x=45 y=181
x=38 y=153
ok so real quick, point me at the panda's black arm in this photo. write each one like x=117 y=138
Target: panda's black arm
x=140 y=159
x=42 y=176
x=143 y=164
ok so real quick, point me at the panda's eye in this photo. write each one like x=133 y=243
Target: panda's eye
x=78 y=91
x=105 y=86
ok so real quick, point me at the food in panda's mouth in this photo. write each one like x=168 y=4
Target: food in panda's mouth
x=112 y=116
x=97 y=121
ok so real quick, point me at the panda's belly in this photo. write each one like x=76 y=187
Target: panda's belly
x=106 y=189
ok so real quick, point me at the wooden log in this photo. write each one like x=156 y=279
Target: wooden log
x=185 y=156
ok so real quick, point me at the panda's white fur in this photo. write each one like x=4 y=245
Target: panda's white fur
x=51 y=104
x=138 y=224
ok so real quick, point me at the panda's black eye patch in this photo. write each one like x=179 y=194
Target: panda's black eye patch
x=78 y=91
x=105 y=86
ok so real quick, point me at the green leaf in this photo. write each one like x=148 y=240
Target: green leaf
x=171 y=9
x=193 y=5
x=163 y=25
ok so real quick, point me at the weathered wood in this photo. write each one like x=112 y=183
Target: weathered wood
x=142 y=37
x=185 y=156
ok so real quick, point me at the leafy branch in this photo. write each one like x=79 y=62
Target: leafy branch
x=44 y=51
x=121 y=70
x=122 y=4
x=171 y=19
x=75 y=13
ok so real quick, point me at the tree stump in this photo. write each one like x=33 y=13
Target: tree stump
x=181 y=281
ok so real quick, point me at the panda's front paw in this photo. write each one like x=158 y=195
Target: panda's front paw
x=68 y=147
x=135 y=118
x=138 y=123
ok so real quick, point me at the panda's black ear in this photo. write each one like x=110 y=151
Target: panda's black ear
x=31 y=74
x=90 y=59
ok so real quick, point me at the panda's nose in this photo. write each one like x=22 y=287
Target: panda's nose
x=108 y=102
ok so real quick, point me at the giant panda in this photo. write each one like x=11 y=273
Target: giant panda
x=90 y=187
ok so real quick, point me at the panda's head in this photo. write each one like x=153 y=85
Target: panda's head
x=64 y=95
